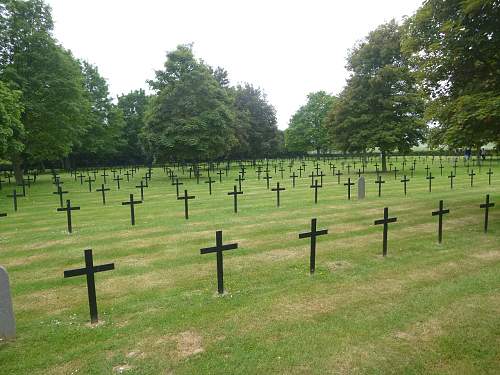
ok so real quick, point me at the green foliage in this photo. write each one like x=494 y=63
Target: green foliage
x=255 y=124
x=191 y=116
x=49 y=78
x=103 y=136
x=11 y=128
x=380 y=106
x=307 y=130
x=455 y=47
x=133 y=106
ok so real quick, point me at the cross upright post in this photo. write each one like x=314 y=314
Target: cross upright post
x=68 y=210
x=440 y=212
x=489 y=173
x=103 y=191
x=186 y=198
x=89 y=270
x=313 y=234
x=430 y=178
x=386 y=220
x=132 y=204
x=235 y=194
x=471 y=175
x=379 y=182
x=210 y=182
x=486 y=207
x=404 y=181
x=451 y=177
x=218 y=249
x=349 y=184
x=315 y=187
x=277 y=189
x=14 y=198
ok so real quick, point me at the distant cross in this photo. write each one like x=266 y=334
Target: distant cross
x=89 y=272
x=440 y=212
x=142 y=186
x=218 y=249
x=68 y=210
x=441 y=169
x=379 y=182
x=404 y=181
x=430 y=178
x=489 y=173
x=186 y=199
x=128 y=175
x=359 y=173
x=277 y=189
x=412 y=169
x=81 y=176
x=348 y=169
x=315 y=187
x=89 y=180
x=239 y=179
x=349 y=184
x=132 y=204
x=486 y=206
x=312 y=175
x=267 y=178
x=386 y=220
x=317 y=168
x=60 y=192
x=451 y=177
x=427 y=170
x=210 y=182
x=220 y=173
x=23 y=185
x=293 y=177
x=14 y=199
x=104 y=175
x=118 y=179
x=103 y=191
x=471 y=175
x=313 y=234
x=338 y=176
x=300 y=171
x=321 y=175
x=235 y=194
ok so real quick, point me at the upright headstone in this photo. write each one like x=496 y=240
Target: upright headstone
x=361 y=187
x=7 y=321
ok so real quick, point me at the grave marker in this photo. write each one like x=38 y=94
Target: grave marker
x=103 y=190
x=68 y=210
x=277 y=189
x=361 y=188
x=386 y=220
x=404 y=181
x=430 y=178
x=315 y=187
x=132 y=204
x=313 y=234
x=349 y=184
x=379 y=182
x=89 y=270
x=7 y=320
x=440 y=212
x=186 y=198
x=486 y=207
x=218 y=249
x=235 y=194
x=60 y=192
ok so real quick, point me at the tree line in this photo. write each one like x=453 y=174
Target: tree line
x=57 y=109
x=434 y=79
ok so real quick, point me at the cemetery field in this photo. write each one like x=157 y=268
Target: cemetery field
x=425 y=308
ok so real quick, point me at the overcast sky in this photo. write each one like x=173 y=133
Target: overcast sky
x=288 y=48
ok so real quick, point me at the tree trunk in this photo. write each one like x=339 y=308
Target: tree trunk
x=17 y=163
x=384 y=162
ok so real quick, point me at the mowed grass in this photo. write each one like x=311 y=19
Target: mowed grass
x=424 y=309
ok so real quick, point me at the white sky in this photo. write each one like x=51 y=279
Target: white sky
x=288 y=48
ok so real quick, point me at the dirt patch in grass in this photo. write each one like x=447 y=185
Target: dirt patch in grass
x=488 y=255
x=188 y=343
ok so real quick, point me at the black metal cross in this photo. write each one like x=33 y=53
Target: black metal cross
x=349 y=184
x=68 y=210
x=486 y=206
x=235 y=193
x=430 y=178
x=89 y=180
x=315 y=187
x=142 y=186
x=440 y=212
x=186 y=198
x=293 y=177
x=267 y=178
x=338 y=174
x=177 y=183
x=132 y=204
x=14 y=198
x=220 y=173
x=451 y=177
x=240 y=179
x=210 y=182
x=218 y=249
x=118 y=179
x=104 y=175
x=379 y=182
x=471 y=175
x=103 y=190
x=277 y=189
x=313 y=234
x=60 y=192
x=89 y=270
x=404 y=181
x=386 y=220
x=489 y=173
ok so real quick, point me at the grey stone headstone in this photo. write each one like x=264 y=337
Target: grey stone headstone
x=361 y=187
x=7 y=321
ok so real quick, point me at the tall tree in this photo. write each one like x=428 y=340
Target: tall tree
x=256 y=126
x=103 y=136
x=50 y=80
x=190 y=116
x=381 y=106
x=454 y=45
x=307 y=130
x=133 y=107
x=11 y=127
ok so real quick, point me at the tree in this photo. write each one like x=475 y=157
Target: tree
x=190 y=116
x=306 y=130
x=50 y=80
x=454 y=46
x=103 y=136
x=133 y=106
x=381 y=106
x=11 y=128
x=255 y=126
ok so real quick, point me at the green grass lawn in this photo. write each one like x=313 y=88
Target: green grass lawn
x=424 y=309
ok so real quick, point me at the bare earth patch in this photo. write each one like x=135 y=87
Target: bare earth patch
x=188 y=344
